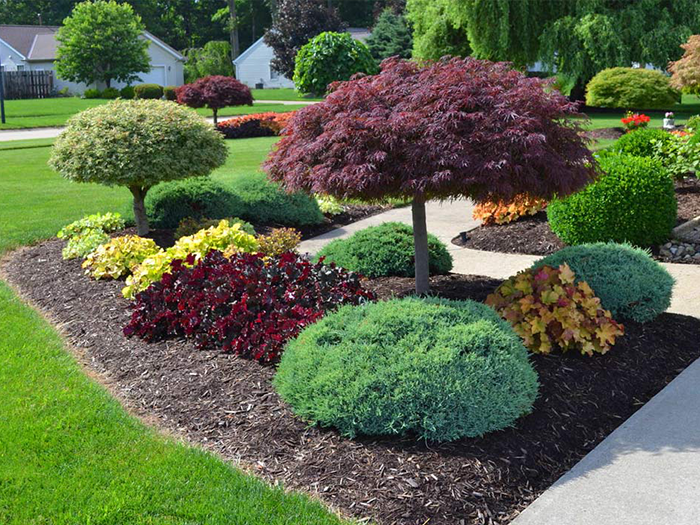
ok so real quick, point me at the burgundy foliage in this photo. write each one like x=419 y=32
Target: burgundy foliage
x=244 y=304
x=453 y=127
x=215 y=92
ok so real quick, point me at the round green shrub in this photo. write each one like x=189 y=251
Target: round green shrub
x=633 y=201
x=693 y=123
x=110 y=93
x=434 y=368
x=330 y=57
x=169 y=203
x=127 y=92
x=266 y=202
x=641 y=143
x=92 y=93
x=148 y=91
x=385 y=250
x=626 y=87
x=627 y=280
x=170 y=93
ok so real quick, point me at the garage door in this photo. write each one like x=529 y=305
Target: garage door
x=155 y=76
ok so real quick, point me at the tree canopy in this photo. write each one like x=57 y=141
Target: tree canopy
x=100 y=42
x=212 y=59
x=685 y=73
x=215 y=92
x=435 y=32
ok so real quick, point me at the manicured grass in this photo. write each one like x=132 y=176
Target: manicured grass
x=70 y=454
x=37 y=202
x=51 y=112
x=280 y=94
x=690 y=106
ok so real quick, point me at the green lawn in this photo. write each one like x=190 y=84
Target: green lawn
x=69 y=453
x=280 y=94
x=51 y=112
x=687 y=108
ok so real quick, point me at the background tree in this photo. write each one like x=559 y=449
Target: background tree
x=212 y=59
x=390 y=36
x=294 y=24
x=137 y=144
x=215 y=92
x=460 y=127
x=100 y=42
x=330 y=57
x=435 y=33
x=685 y=73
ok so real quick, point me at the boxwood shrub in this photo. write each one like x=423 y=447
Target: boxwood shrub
x=385 y=250
x=436 y=369
x=642 y=142
x=627 y=280
x=153 y=91
x=169 y=203
x=632 y=201
x=627 y=87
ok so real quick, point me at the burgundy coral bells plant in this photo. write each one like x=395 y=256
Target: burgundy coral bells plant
x=246 y=304
x=457 y=127
x=215 y=92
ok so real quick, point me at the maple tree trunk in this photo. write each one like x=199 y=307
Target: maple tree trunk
x=140 y=217
x=216 y=116
x=420 y=245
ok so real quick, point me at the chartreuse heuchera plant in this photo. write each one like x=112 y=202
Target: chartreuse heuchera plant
x=107 y=222
x=627 y=280
x=221 y=237
x=505 y=211
x=137 y=144
x=435 y=130
x=248 y=304
x=119 y=257
x=435 y=369
x=81 y=245
x=277 y=242
x=549 y=309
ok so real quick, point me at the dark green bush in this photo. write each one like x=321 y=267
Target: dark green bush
x=110 y=93
x=153 y=91
x=92 y=93
x=385 y=250
x=627 y=280
x=170 y=93
x=626 y=87
x=190 y=225
x=438 y=369
x=641 y=143
x=632 y=201
x=263 y=201
x=127 y=92
x=170 y=202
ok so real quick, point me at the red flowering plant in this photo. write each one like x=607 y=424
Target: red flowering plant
x=634 y=121
x=247 y=304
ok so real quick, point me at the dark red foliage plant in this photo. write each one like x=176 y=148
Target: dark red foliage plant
x=245 y=304
x=437 y=130
x=215 y=92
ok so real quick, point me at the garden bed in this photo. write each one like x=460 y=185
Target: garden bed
x=227 y=404
x=532 y=235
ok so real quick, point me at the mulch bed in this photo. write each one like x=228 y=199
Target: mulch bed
x=604 y=133
x=532 y=235
x=227 y=405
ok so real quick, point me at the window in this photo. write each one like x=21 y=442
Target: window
x=20 y=67
x=274 y=75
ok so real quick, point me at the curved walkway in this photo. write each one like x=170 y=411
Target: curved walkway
x=647 y=472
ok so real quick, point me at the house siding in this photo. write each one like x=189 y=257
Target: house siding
x=9 y=58
x=254 y=68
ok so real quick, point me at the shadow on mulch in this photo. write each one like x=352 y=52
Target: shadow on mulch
x=227 y=405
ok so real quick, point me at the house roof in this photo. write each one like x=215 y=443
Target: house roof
x=39 y=42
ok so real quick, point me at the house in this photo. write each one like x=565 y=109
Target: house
x=33 y=48
x=253 y=65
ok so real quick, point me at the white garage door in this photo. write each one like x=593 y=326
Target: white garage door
x=155 y=76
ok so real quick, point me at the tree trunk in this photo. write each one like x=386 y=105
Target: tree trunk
x=216 y=116
x=139 y=194
x=420 y=245
x=235 y=45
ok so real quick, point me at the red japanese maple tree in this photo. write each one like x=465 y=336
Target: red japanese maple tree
x=215 y=92
x=439 y=130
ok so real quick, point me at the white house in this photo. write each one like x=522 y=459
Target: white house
x=253 y=65
x=33 y=48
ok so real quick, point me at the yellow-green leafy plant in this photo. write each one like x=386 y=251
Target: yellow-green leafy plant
x=83 y=244
x=224 y=237
x=505 y=211
x=548 y=309
x=279 y=241
x=119 y=256
x=329 y=205
x=107 y=222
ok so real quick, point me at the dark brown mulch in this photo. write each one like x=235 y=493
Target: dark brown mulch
x=532 y=235
x=228 y=405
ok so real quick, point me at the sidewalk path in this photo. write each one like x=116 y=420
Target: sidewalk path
x=647 y=472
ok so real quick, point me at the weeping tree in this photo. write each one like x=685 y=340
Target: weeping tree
x=137 y=144
x=441 y=130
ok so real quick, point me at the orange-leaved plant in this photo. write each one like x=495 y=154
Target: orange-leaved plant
x=505 y=211
x=548 y=309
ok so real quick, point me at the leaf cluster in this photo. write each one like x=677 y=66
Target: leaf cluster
x=119 y=257
x=107 y=222
x=503 y=212
x=277 y=242
x=627 y=87
x=215 y=92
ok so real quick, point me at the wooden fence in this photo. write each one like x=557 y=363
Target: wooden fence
x=28 y=84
